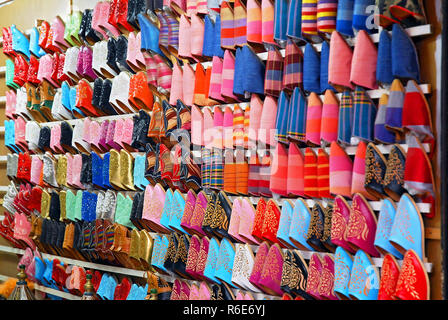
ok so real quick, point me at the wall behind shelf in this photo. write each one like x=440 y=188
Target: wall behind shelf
x=23 y=14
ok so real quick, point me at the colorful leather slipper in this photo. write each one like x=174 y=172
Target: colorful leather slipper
x=364 y=278
x=407 y=230
x=364 y=61
x=382 y=134
x=243 y=265
x=343 y=263
x=295 y=174
x=361 y=228
x=420 y=183
x=416 y=116
x=340 y=62
x=285 y=224
x=405 y=64
x=394 y=177
x=329 y=119
x=390 y=271
x=294 y=274
x=341 y=168
x=359 y=172
x=300 y=223
x=375 y=171
x=314 y=276
x=385 y=221
x=271 y=274
x=413 y=281
x=384 y=63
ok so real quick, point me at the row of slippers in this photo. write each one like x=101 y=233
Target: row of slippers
x=208 y=87
x=324 y=278
x=169 y=125
x=214 y=214
x=308 y=121
x=72 y=279
x=307 y=173
x=270 y=82
x=263 y=22
x=105 y=60
x=272 y=270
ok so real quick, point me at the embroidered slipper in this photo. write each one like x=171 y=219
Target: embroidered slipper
x=225 y=261
x=326 y=284
x=329 y=119
x=314 y=276
x=212 y=257
x=412 y=271
x=242 y=267
x=294 y=275
x=343 y=263
x=375 y=171
x=408 y=230
x=359 y=172
x=339 y=62
x=385 y=221
x=300 y=223
x=390 y=272
x=285 y=224
x=364 y=279
x=260 y=259
x=247 y=216
x=271 y=221
x=235 y=219
x=258 y=220
x=315 y=235
x=394 y=177
x=361 y=228
x=341 y=171
x=271 y=274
